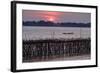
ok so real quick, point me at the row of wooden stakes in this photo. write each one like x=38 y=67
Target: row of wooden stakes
x=50 y=50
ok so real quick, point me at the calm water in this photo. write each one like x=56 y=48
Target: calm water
x=33 y=33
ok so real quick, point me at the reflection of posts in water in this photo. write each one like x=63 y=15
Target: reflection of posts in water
x=52 y=49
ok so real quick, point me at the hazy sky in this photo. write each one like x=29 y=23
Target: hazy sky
x=35 y=15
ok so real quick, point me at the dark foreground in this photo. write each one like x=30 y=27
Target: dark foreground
x=55 y=49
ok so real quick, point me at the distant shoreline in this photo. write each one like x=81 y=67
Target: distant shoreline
x=52 y=24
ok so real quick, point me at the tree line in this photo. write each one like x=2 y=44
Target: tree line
x=52 y=24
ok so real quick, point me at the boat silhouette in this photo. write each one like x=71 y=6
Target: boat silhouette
x=68 y=33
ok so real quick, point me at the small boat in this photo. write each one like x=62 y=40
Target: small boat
x=68 y=33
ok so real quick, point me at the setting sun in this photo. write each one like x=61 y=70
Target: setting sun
x=51 y=19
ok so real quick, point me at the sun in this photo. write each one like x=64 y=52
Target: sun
x=51 y=19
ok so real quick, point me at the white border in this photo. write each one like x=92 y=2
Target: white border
x=21 y=66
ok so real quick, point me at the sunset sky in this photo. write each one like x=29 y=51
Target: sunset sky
x=35 y=15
